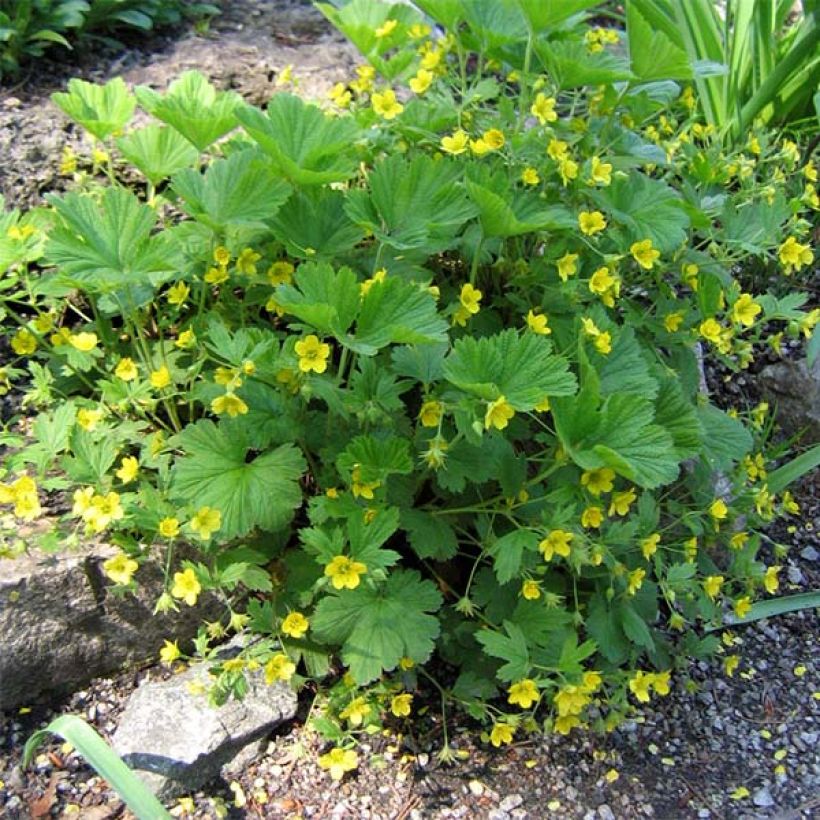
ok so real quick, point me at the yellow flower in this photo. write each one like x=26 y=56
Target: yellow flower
x=557 y=149
x=120 y=569
x=129 y=469
x=557 y=542
x=216 y=276
x=246 y=261
x=494 y=139
x=295 y=625
x=712 y=585
x=338 y=762
x=529 y=176
x=718 y=509
x=222 y=256
x=592 y=517
x=126 y=370
x=160 y=378
x=543 y=406
x=169 y=652
x=386 y=28
x=544 y=109
x=168 y=528
x=711 y=330
x=457 y=143
x=794 y=256
x=644 y=254
x=230 y=404
x=770 y=580
x=598 y=481
x=499 y=413
x=568 y=169
x=431 y=413
x=422 y=81
x=730 y=664
x=186 y=339
x=23 y=342
x=44 y=322
x=84 y=342
x=601 y=281
x=279 y=667
x=591 y=222
x=742 y=606
x=60 y=338
x=567 y=266
x=523 y=693
x=634 y=581
x=206 y=521
x=89 y=419
x=601 y=172
x=312 y=354
x=673 y=321
x=649 y=545
x=470 y=298
x=501 y=733
x=591 y=682
x=565 y=724
x=640 y=685
x=386 y=105
x=186 y=586
x=362 y=489
x=621 y=502
x=745 y=310
x=177 y=294
x=356 y=711
x=344 y=573
x=740 y=793
x=401 y=705
x=570 y=700
x=537 y=323
x=530 y=590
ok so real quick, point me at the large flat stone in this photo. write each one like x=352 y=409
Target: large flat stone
x=176 y=741
x=793 y=389
x=60 y=626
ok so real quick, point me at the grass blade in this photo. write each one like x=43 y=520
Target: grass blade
x=105 y=760
x=774 y=607
x=780 y=478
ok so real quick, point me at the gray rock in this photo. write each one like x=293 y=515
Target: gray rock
x=809 y=554
x=763 y=798
x=176 y=741
x=510 y=802
x=794 y=392
x=60 y=626
x=605 y=813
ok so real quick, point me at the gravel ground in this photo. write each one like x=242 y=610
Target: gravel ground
x=686 y=757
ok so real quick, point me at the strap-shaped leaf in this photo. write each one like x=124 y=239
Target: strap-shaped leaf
x=193 y=107
x=307 y=146
x=100 y=109
x=239 y=190
x=522 y=368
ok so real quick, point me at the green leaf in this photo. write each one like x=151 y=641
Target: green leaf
x=625 y=369
x=605 y=629
x=134 y=793
x=395 y=311
x=313 y=225
x=634 y=626
x=783 y=476
x=542 y=16
x=725 y=440
x=653 y=53
x=424 y=363
x=647 y=208
x=158 y=151
x=377 y=458
x=307 y=146
x=367 y=537
x=522 y=368
x=571 y=65
x=91 y=459
x=678 y=416
x=430 y=535
x=418 y=203
x=100 y=109
x=250 y=492
x=511 y=648
x=508 y=551
x=378 y=626
x=517 y=213
x=240 y=190
x=325 y=299
x=111 y=246
x=193 y=107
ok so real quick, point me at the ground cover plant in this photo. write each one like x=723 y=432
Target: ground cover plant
x=29 y=27
x=416 y=371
